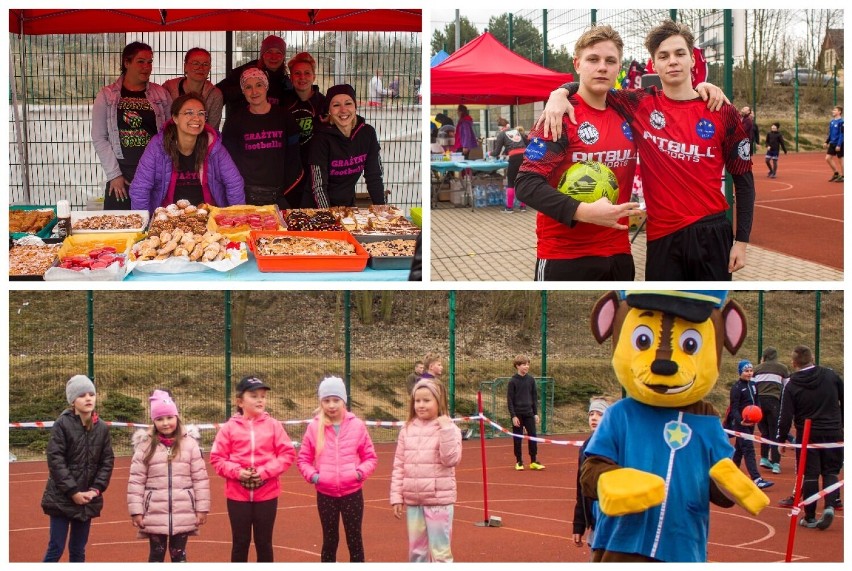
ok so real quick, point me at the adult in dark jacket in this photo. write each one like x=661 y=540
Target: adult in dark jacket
x=273 y=52
x=342 y=151
x=306 y=104
x=814 y=393
x=80 y=461
x=769 y=378
x=186 y=161
x=522 y=399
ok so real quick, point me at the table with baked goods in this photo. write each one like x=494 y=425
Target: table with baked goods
x=467 y=168
x=183 y=242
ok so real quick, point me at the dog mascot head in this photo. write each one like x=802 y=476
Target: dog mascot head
x=667 y=345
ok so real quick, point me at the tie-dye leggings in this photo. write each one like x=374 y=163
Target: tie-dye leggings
x=430 y=531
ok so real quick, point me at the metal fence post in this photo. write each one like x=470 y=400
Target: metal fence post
x=347 y=346
x=452 y=358
x=760 y=314
x=544 y=38
x=817 y=335
x=228 y=331
x=90 y=341
x=543 y=333
x=796 y=101
x=729 y=91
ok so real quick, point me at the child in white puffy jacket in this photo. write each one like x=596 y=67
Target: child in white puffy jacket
x=424 y=478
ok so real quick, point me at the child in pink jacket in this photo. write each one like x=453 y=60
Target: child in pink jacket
x=251 y=451
x=337 y=455
x=168 y=492
x=424 y=477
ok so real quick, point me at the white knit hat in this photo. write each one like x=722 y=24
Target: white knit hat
x=332 y=387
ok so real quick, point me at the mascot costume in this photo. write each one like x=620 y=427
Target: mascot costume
x=660 y=455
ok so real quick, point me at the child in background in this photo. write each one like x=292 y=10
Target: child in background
x=337 y=455
x=584 y=515
x=522 y=398
x=424 y=478
x=251 y=451
x=743 y=394
x=774 y=143
x=79 y=461
x=168 y=492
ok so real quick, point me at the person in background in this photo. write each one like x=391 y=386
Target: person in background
x=378 y=92
x=79 y=463
x=748 y=124
x=511 y=143
x=186 y=162
x=834 y=145
x=263 y=140
x=344 y=149
x=251 y=451
x=774 y=144
x=412 y=379
x=196 y=68
x=743 y=394
x=522 y=400
x=814 y=393
x=125 y=116
x=770 y=376
x=465 y=134
x=273 y=52
x=337 y=456
x=584 y=512
x=168 y=491
x=306 y=105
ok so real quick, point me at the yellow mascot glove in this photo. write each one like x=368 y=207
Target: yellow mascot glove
x=627 y=491
x=738 y=486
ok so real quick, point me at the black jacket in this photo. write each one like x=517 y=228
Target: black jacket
x=78 y=460
x=279 y=86
x=814 y=393
x=743 y=394
x=522 y=396
x=337 y=162
x=584 y=514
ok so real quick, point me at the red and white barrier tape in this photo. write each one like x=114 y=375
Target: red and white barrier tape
x=578 y=443
x=217 y=425
x=816 y=497
x=753 y=438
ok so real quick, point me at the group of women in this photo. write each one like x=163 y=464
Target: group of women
x=283 y=141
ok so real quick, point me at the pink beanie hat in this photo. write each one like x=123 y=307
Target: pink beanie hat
x=162 y=405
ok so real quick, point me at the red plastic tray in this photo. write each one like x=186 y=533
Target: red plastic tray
x=354 y=263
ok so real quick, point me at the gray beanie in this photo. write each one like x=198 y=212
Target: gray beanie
x=78 y=385
x=598 y=404
x=332 y=387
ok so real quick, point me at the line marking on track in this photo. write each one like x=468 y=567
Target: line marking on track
x=197 y=541
x=770 y=530
x=800 y=213
x=791 y=198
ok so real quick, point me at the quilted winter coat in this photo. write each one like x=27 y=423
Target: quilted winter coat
x=424 y=464
x=78 y=460
x=262 y=443
x=344 y=454
x=169 y=491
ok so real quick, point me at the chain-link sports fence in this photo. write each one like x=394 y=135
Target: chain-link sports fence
x=56 y=79
x=199 y=344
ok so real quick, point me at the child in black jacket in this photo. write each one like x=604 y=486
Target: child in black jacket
x=522 y=398
x=743 y=394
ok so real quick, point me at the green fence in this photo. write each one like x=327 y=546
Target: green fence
x=200 y=343
x=56 y=79
x=495 y=408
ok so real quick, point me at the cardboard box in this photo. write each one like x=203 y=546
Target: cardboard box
x=636 y=221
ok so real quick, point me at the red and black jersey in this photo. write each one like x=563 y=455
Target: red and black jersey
x=685 y=148
x=600 y=135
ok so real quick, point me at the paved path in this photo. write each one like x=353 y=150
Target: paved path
x=489 y=245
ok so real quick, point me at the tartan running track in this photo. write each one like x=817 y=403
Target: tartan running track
x=536 y=510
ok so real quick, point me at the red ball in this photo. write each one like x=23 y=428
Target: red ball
x=752 y=414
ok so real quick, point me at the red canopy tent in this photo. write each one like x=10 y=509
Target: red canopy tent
x=484 y=71
x=38 y=22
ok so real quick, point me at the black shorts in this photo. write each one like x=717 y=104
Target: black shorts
x=699 y=252
x=514 y=166
x=832 y=150
x=589 y=268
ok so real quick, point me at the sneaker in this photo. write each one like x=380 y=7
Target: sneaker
x=776 y=468
x=523 y=208
x=839 y=179
x=765 y=463
x=536 y=466
x=786 y=502
x=808 y=522
x=838 y=504
x=763 y=484
x=507 y=211
x=772 y=175
x=519 y=466
x=834 y=177
x=827 y=517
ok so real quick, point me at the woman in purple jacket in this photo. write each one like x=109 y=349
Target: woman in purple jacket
x=186 y=161
x=337 y=455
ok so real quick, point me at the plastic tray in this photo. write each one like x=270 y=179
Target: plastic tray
x=80 y=215
x=417 y=216
x=36 y=277
x=354 y=263
x=44 y=232
x=241 y=233
x=388 y=262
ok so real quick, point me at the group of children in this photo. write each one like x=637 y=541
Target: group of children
x=168 y=493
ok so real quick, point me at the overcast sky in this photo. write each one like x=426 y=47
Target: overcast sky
x=442 y=17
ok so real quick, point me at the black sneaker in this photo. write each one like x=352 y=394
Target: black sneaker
x=838 y=504
x=834 y=177
x=839 y=179
x=786 y=502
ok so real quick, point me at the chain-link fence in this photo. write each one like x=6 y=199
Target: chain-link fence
x=56 y=79
x=199 y=344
